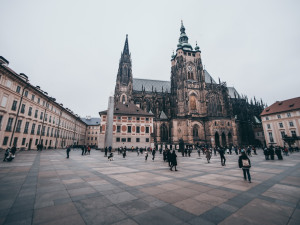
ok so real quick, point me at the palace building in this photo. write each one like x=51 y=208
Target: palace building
x=29 y=116
x=281 y=123
x=191 y=108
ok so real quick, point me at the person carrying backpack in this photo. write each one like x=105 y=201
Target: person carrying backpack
x=245 y=164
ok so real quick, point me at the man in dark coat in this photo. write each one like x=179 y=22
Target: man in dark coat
x=105 y=152
x=169 y=157
x=278 y=153
x=173 y=159
x=82 y=149
x=266 y=153
x=153 y=154
x=68 y=151
x=223 y=159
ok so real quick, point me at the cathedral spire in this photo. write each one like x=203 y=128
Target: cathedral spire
x=184 y=40
x=126 y=46
x=182 y=28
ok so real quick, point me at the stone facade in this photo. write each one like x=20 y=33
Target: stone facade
x=281 y=123
x=28 y=116
x=92 y=131
x=132 y=127
x=192 y=108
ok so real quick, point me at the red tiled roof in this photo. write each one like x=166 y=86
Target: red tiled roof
x=127 y=109
x=282 y=106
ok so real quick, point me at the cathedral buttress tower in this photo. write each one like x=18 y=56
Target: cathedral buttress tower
x=123 y=89
x=187 y=79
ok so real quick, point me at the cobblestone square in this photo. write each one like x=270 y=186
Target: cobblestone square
x=47 y=188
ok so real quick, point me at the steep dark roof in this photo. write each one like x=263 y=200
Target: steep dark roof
x=282 y=106
x=231 y=91
x=208 y=77
x=128 y=109
x=91 y=121
x=165 y=86
x=158 y=85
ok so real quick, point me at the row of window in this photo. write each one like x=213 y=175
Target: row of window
x=291 y=123
x=41 y=116
x=40 y=129
x=118 y=139
x=92 y=138
x=93 y=127
x=26 y=94
x=279 y=116
x=130 y=118
x=293 y=133
x=15 y=142
x=138 y=129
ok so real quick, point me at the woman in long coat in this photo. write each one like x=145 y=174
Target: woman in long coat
x=173 y=158
x=245 y=164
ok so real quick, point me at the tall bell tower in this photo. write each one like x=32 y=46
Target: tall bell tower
x=123 y=89
x=187 y=78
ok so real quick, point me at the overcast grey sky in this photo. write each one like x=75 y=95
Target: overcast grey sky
x=71 y=48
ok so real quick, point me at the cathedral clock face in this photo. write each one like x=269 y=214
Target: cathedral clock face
x=189 y=68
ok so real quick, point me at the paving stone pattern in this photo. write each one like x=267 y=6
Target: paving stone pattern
x=47 y=188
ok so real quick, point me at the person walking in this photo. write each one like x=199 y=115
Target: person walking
x=236 y=150
x=208 y=155
x=105 y=152
x=286 y=151
x=153 y=154
x=82 y=149
x=89 y=150
x=68 y=151
x=278 y=153
x=245 y=164
x=249 y=151
x=266 y=153
x=164 y=155
x=169 y=157
x=222 y=156
x=124 y=153
x=173 y=159
x=146 y=155
x=13 y=150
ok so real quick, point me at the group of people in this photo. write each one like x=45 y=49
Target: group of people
x=85 y=150
x=9 y=154
x=171 y=158
x=271 y=151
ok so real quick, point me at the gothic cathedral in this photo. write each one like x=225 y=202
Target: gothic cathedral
x=191 y=108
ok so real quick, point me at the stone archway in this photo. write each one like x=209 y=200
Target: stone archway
x=223 y=139
x=217 y=139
